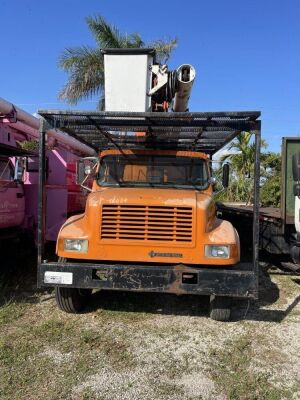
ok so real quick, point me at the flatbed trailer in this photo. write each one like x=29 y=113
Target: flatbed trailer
x=200 y=131
x=278 y=236
x=273 y=239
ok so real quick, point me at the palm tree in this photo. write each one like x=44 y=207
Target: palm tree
x=85 y=65
x=242 y=161
x=242 y=158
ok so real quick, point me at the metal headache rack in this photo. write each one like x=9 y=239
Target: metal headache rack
x=189 y=131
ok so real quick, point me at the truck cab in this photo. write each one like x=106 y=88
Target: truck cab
x=151 y=206
x=12 y=201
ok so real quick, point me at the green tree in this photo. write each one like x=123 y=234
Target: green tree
x=270 y=192
x=242 y=162
x=85 y=65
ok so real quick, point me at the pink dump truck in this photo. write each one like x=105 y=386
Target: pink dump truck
x=19 y=175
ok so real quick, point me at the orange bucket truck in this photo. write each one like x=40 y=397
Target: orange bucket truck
x=150 y=220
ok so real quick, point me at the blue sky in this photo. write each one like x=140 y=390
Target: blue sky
x=246 y=53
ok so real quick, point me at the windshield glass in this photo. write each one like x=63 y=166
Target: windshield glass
x=153 y=170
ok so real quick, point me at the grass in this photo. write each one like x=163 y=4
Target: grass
x=11 y=311
x=46 y=354
x=168 y=390
x=114 y=346
x=233 y=371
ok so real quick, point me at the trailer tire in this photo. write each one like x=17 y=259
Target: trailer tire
x=220 y=308
x=72 y=300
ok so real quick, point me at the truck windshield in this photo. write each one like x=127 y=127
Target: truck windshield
x=153 y=171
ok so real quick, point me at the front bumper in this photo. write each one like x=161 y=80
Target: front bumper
x=236 y=281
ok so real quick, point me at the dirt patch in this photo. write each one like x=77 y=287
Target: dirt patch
x=57 y=356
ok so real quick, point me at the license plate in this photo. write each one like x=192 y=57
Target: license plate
x=64 y=278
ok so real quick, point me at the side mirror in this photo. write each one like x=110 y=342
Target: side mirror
x=296 y=167
x=80 y=171
x=85 y=168
x=19 y=170
x=225 y=175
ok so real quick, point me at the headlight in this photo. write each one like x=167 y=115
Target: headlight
x=212 y=251
x=78 y=245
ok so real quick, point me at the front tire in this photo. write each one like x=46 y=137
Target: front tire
x=220 y=308
x=72 y=300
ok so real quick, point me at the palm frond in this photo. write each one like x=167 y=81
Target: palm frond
x=164 y=48
x=106 y=35
x=86 y=73
x=134 y=40
x=72 y=56
x=225 y=157
x=101 y=103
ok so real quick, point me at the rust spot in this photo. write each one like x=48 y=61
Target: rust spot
x=176 y=286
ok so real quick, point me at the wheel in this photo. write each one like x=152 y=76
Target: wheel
x=220 y=308
x=72 y=300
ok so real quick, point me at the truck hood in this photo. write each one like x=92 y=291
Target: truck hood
x=150 y=196
x=148 y=225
